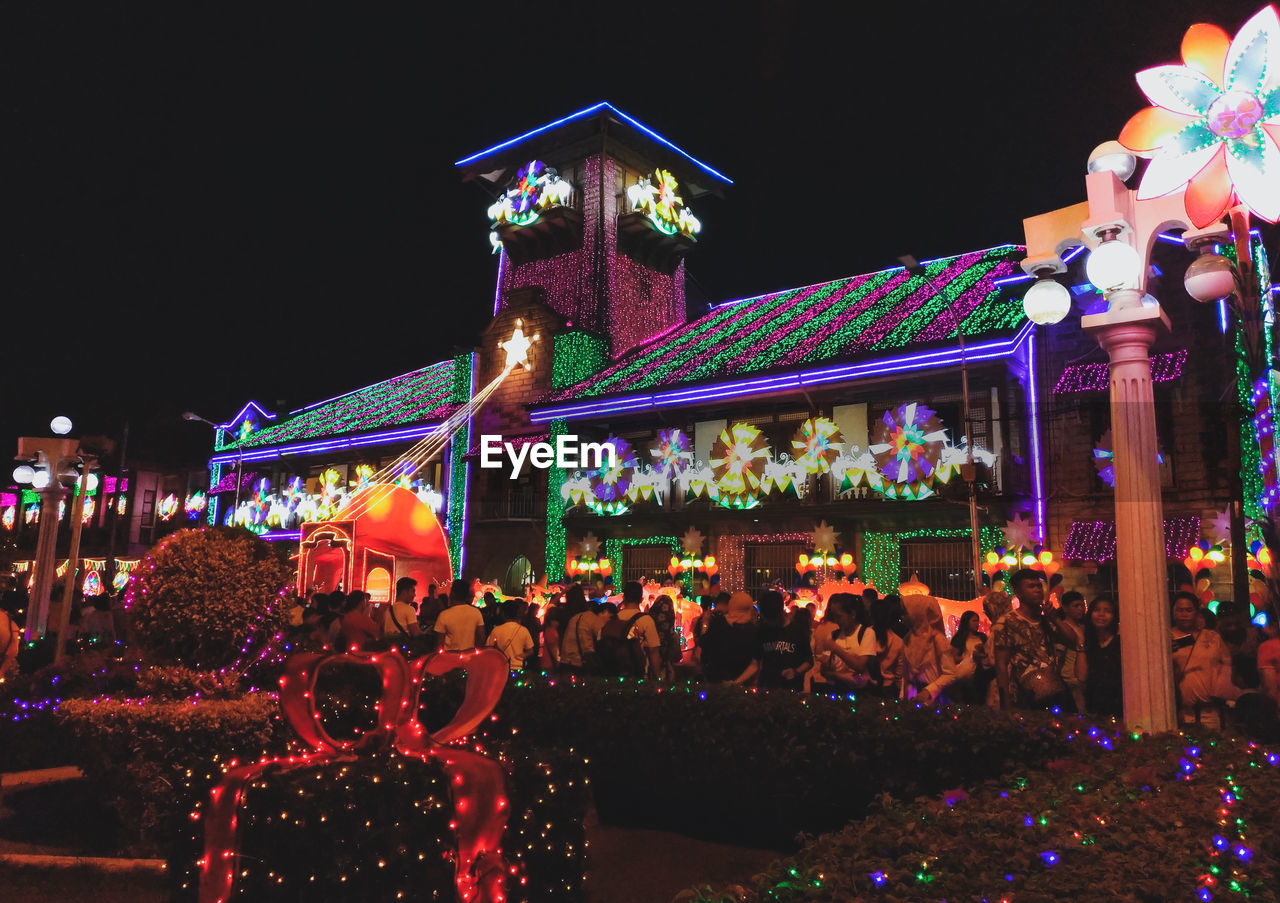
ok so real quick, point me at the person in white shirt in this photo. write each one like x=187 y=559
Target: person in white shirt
x=461 y=626
x=511 y=637
x=400 y=618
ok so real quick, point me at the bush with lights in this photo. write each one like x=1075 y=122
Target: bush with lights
x=199 y=593
x=1124 y=817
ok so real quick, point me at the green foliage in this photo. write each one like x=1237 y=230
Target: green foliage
x=200 y=594
x=1101 y=824
x=153 y=760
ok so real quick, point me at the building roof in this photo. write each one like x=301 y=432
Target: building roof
x=799 y=335
x=420 y=396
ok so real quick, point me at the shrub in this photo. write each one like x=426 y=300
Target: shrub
x=1123 y=823
x=199 y=595
x=152 y=760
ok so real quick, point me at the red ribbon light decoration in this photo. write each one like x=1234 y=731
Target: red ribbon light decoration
x=478 y=783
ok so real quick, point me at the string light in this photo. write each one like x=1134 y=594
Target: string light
x=882 y=552
x=1097 y=377
x=1096 y=540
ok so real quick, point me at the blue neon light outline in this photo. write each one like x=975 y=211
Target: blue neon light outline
x=604 y=104
x=252 y=404
x=1073 y=253
x=919 y=361
x=1037 y=463
x=1224 y=320
x=299 y=448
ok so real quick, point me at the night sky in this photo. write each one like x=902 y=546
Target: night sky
x=206 y=207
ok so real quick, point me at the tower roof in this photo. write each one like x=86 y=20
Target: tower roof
x=582 y=132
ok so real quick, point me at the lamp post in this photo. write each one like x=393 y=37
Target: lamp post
x=968 y=471
x=191 y=415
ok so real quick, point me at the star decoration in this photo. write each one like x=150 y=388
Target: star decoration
x=1017 y=533
x=824 y=537
x=517 y=347
x=1219 y=529
x=589 y=545
x=691 y=542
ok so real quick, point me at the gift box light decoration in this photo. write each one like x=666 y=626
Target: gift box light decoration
x=477 y=783
x=655 y=197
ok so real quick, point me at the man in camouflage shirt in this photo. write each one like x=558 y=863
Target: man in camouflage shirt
x=1026 y=664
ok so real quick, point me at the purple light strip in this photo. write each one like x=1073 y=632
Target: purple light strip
x=466 y=475
x=276 y=535
x=1010 y=280
x=1224 y=322
x=1037 y=464
x=921 y=361
x=327 y=445
x=1171 y=238
x=1073 y=253
x=497 y=291
x=604 y=104
x=251 y=404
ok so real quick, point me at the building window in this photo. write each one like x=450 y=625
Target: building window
x=643 y=563
x=148 y=507
x=766 y=563
x=944 y=565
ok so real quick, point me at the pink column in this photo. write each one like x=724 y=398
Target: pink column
x=1126 y=334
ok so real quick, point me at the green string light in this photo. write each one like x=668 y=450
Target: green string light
x=577 y=356
x=555 y=544
x=459 y=445
x=882 y=552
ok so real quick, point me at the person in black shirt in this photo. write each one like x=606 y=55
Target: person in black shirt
x=1098 y=659
x=783 y=651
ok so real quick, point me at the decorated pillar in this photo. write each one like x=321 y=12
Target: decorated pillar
x=1126 y=334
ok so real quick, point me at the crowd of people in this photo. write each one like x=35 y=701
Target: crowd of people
x=1035 y=655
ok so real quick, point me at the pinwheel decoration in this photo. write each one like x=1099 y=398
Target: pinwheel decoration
x=1214 y=122
x=738 y=460
x=536 y=188
x=656 y=198
x=907 y=445
x=817 y=444
x=1104 y=460
x=610 y=483
x=168 y=507
x=672 y=454
x=194 y=504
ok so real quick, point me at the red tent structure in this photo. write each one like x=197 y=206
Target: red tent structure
x=387 y=533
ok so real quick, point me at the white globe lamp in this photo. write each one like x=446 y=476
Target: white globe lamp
x=40 y=479
x=1113 y=265
x=92 y=482
x=1046 y=302
x=1210 y=277
x=24 y=473
x=1112 y=156
x=60 y=425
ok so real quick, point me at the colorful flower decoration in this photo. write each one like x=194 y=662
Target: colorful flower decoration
x=247 y=429
x=88 y=509
x=92 y=584
x=1215 y=122
x=1104 y=460
x=9 y=517
x=32 y=513
x=168 y=507
x=195 y=504
x=120 y=581
x=122 y=505
x=817 y=444
x=672 y=456
x=364 y=476
x=656 y=198
x=537 y=187
x=738 y=459
x=907 y=445
x=611 y=482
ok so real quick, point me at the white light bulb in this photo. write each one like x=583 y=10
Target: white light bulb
x=40 y=479
x=1113 y=265
x=24 y=473
x=1046 y=302
x=60 y=425
x=92 y=482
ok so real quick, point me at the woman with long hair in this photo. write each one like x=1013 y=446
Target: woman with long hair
x=970 y=645
x=1097 y=664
